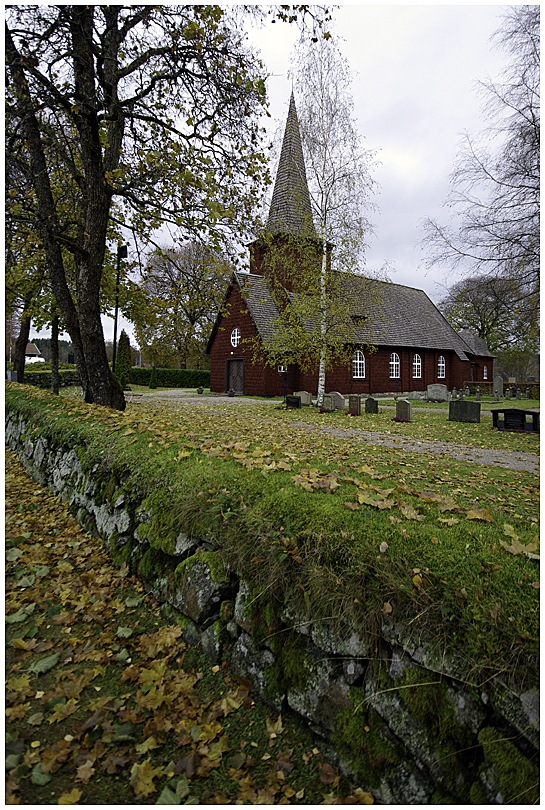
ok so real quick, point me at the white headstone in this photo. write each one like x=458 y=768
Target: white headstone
x=306 y=397
x=438 y=392
x=338 y=400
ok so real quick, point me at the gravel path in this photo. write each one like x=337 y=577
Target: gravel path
x=524 y=462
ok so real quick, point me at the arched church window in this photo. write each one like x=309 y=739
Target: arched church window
x=395 y=366
x=235 y=337
x=358 y=365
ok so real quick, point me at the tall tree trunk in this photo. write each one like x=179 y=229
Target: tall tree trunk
x=55 y=376
x=20 y=347
x=323 y=327
x=83 y=322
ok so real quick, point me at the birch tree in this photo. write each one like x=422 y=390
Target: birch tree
x=338 y=170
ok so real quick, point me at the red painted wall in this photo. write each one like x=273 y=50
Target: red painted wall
x=262 y=380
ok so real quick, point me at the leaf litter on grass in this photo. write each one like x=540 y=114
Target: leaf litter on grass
x=95 y=711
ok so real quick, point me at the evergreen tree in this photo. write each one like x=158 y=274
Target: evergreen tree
x=123 y=360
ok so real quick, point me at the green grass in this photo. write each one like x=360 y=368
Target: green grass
x=304 y=513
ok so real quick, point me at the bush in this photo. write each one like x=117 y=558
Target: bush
x=171 y=377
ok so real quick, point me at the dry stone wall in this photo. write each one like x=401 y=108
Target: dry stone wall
x=396 y=715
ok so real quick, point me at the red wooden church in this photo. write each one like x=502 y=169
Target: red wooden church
x=412 y=344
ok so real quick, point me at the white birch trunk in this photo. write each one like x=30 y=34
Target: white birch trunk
x=323 y=326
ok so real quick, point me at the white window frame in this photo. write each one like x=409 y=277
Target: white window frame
x=282 y=369
x=395 y=366
x=417 y=367
x=441 y=367
x=235 y=337
x=485 y=373
x=358 y=365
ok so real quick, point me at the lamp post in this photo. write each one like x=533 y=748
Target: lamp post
x=121 y=254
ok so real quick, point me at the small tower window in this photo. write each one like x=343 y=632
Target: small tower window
x=417 y=367
x=485 y=373
x=441 y=368
x=235 y=337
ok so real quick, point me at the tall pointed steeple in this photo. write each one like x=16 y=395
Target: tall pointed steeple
x=290 y=210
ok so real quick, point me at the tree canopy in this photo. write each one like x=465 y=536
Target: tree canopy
x=145 y=114
x=176 y=303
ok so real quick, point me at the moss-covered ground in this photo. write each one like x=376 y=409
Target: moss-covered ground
x=347 y=528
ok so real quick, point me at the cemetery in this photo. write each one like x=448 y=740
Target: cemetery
x=337 y=576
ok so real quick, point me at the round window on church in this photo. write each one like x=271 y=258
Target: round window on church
x=235 y=337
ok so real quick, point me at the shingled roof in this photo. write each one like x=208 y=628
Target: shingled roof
x=396 y=316
x=291 y=210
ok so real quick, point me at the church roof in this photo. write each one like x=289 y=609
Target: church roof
x=291 y=210
x=384 y=314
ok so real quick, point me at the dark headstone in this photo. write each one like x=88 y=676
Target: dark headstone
x=328 y=403
x=371 y=405
x=463 y=410
x=354 y=405
x=293 y=401
x=12 y=376
x=404 y=410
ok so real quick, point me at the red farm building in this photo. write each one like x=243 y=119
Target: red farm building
x=402 y=344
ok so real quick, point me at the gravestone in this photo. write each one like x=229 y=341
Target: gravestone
x=466 y=391
x=12 y=376
x=508 y=393
x=338 y=400
x=305 y=396
x=293 y=401
x=463 y=410
x=415 y=395
x=438 y=392
x=454 y=393
x=404 y=410
x=354 y=405
x=496 y=396
x=498 y=384
x=519 y=393
x=328 y=404
x=371 y=405
x=527 y=393
x=478 y=394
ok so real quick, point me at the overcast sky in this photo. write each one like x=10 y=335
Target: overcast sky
x=415 y=70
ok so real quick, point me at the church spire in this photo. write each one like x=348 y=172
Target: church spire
x=291 y=210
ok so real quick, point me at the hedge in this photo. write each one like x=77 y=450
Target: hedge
x=42 y=379
x=172 y=377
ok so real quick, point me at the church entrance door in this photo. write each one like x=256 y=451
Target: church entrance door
x=235 y=376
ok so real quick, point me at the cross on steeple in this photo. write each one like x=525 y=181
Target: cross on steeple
x=291 y=211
